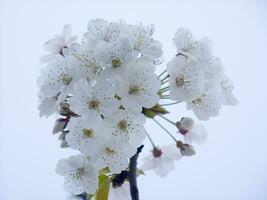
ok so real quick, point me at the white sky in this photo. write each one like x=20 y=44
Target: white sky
x=232 y=165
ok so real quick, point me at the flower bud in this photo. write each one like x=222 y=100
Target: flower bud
x=64 y=109
x=59 y=125
x=185 y=124
x=186 y=149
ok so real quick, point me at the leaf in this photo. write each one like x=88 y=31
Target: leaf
x=103 y=188
x=155 y=110
x=89 y=196
x=140 y=172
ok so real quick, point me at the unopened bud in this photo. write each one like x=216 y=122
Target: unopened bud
x=185 y=124
x=64 y=144
x=157 y=152
x=64 y=109
x=186 y=149
x=59 y=125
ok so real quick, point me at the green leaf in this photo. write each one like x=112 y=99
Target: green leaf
x=140 y=172
x=155 y=110
x=103 y=188
x=89 y=196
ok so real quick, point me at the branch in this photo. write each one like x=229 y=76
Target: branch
x=132 y=174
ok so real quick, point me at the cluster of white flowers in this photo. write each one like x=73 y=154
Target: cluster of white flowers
x=105 y=87
x=197 y=77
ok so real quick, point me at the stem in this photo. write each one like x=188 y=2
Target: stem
x=150 y=139
x=169 y=104
x=165 y=130
x=173 y=123
x=132 y=174
x=165 y=78
x=164 y=96
x=162 y=73
x=164 y=88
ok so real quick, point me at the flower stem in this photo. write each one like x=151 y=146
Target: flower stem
x=166 y=87
x=166 y=77
x=132 y=174
x=150 y=139
x=171 y=122
x=169 y=104
x=162 y=73
x=165 y=130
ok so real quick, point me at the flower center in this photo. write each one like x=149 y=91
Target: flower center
x=122 y=125
x=134 y=89
x=66 y=79
x=80 y=172
x=93 y=105
x=179 y=80
x=197 y=101
x=116 y=62
x=109 y=151
x=88 y=133
x=157 y=152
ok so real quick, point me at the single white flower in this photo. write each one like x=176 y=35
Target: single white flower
x=99 y=30
x=93 y=101
x=143 y=42
x=186 y=78
x=207 y=105
x=162 y=160
x=55 y=46
x=186 y=44
x=114 y=155
x=120 y=193
x=59 y=78
x=80 y=174
x=126 y=127
x=83 y=135
x=88 y=60
x=116 y=56
x=193 y=133
x=140 y=85
x=227 y=91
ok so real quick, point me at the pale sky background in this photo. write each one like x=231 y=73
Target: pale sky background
x=232 y=165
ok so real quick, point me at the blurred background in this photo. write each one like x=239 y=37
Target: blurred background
x=231 y=165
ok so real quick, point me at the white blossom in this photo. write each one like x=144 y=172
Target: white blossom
x=99 y=30
x=83 y=135
x=143 y=42
x=116 y=56
x=48 y=105
x=80 y=174
x=162 y=160
x=59 y=78
x=186 y=44
x=186 y=78
x=114 y=155
x=93 y=101
x=55 y=46
x=140 y=85
x=207 y=105
x=193 y=133
x=126 y=127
